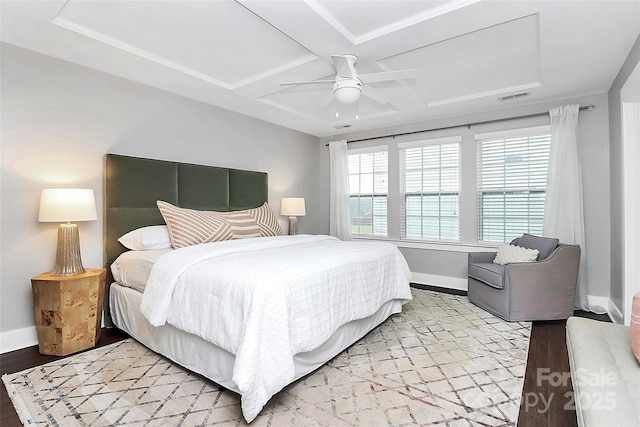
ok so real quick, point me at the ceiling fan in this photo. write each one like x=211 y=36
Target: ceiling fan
x=348 y=85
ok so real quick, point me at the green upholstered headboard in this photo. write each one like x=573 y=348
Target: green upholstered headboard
x=132 y=185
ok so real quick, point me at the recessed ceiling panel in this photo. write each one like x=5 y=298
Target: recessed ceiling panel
x=488 y=62
x=220 y=40
x=365 y=20
x=364 y=16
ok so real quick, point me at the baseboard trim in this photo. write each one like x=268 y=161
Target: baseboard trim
x=440 y=281
x=615 y=314
x=598 y=305
x=438 y=289
x=18 y=338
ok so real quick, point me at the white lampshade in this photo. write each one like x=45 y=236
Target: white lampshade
x=67 y=205
x=292 y=206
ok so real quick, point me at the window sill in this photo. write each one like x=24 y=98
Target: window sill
x=435 y=246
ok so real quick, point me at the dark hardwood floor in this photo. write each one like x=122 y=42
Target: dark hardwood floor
x=546 y=399
x=19 y=360
x=543 y=402
x=547 y=395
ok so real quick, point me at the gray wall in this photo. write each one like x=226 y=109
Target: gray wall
x=615 y=138
x=58 y=121
x=449 y=262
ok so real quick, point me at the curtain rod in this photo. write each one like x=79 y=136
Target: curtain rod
x=526 y=116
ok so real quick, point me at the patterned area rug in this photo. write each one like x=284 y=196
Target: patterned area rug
x=442 y=361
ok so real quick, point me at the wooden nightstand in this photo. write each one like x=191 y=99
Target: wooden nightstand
x=68 y=311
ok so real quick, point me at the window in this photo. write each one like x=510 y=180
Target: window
x=512 y=179
x=430 y=189
x=368 y=192
x=467 y=188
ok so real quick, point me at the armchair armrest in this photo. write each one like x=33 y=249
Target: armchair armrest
x=480 y=257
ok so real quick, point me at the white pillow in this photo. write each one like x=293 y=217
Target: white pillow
x=147 y=238
x=132 y=268
x=510 y=253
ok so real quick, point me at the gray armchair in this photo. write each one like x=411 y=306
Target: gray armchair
x=523 y=291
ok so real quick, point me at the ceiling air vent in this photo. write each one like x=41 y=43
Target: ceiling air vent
x=514 y=96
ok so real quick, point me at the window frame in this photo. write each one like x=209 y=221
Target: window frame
x=529 y=190
x=373 y=195
x=403 y=194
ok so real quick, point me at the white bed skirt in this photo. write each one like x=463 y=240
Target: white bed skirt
x=215 y=363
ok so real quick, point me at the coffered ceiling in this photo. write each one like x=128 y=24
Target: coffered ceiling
x=469 y=55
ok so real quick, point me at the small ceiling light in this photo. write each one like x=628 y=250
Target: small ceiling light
x=347 y=91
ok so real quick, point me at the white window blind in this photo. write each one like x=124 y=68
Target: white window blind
x=430 y=189
x=512 y=179
x=368 y=182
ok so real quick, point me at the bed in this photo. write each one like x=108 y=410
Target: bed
x=180 y=302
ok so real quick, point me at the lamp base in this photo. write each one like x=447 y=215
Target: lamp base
x=68 y=261
x=293 y=225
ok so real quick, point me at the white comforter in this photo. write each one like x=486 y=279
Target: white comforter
x=267 y=299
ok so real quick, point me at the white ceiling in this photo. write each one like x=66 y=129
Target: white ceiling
x=234 y=54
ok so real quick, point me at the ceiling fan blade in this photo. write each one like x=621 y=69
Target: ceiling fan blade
x=309 y=82
x=387 y=75
x=327 y=103
x=328 y=99
x=344 y=67
x=375 y=94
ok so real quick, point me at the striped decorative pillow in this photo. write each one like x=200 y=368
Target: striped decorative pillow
x=189 y=227
x=242 y=224
x=266 y=220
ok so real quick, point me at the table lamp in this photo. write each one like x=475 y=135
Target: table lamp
x=293 y=207
x=65 y=205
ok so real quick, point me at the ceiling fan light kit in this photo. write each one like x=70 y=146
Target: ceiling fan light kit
x=348 y=85
x=347 y=91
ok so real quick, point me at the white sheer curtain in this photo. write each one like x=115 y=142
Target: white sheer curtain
x=339 y=225
x=563 y=211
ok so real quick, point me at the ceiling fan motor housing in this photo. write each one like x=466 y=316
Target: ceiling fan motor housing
x=347 y=90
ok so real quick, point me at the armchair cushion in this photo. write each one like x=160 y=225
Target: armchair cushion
x=488 y=273
x=544 y=245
